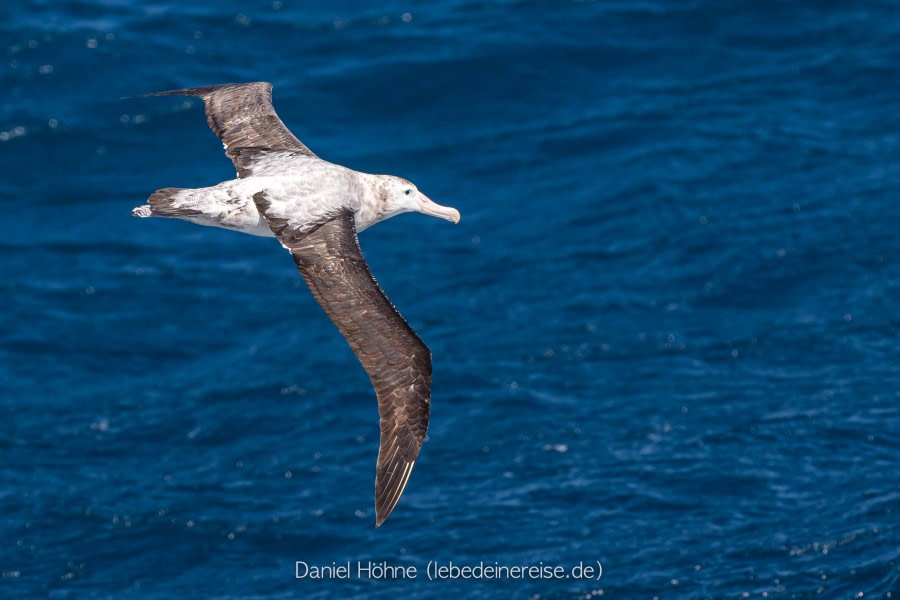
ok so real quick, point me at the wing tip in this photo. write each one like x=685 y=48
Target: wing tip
x=198 y=91
x=387 y=501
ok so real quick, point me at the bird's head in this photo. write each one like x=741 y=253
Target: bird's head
x=400 y=196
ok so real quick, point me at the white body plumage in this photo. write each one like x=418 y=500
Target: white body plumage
x=310 y=196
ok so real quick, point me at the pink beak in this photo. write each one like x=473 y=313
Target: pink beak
x=434 y=209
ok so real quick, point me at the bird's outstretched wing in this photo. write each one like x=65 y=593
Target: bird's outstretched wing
x=243 y=117
x=397 y=361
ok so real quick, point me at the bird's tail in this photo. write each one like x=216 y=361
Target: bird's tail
x=161 y=204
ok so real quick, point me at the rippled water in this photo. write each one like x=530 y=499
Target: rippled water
x=665 y=333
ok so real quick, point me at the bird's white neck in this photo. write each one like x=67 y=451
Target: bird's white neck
x=372 y=202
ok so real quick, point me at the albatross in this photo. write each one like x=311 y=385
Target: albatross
x=315 y=209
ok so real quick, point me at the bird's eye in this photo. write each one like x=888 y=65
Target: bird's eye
x=408 y=192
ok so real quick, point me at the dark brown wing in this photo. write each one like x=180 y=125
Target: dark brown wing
x=243 y=117
x=397 y=361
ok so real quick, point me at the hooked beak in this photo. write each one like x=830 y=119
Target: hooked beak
x=428 y=207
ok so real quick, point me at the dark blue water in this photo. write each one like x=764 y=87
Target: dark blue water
x=665 y=333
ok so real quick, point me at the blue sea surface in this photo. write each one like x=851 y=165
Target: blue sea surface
x=666 y=332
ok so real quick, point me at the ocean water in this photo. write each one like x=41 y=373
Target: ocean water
x=665 y=332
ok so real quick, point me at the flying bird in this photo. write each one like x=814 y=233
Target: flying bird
x=315 y=209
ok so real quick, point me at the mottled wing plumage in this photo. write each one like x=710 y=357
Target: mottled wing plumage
x=287 y=231
x=242 y=116
x=396 y=360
